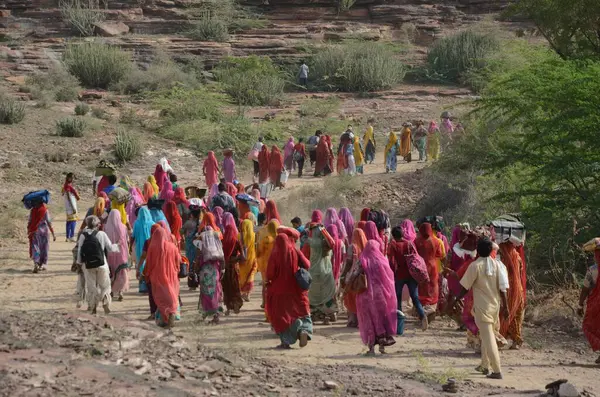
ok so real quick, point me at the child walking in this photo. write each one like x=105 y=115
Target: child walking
x=71 y=197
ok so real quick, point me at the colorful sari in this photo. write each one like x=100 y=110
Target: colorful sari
x=229 y=169
x=159 y=176
x=431 y=250
x=322 y=293
x=377 y=307
x=155 y=188
x=264 y=160
x=391 y=153
x=359 y=242
x=322 y=165
x=433 y=141
x=174 y=219
x=405 y=143
x=348 y=220
x=369 y=141
x=287 y=305
x=338 y=251
x=232 y=297
x=512 y=326
x=276 y=166
x=209 y=276
x=38 y=229
x=272 y=212
x=591 y=319
x=288 y=155
x=359 y=156
x=118 y=261
x=210 y=169
x=248 y=266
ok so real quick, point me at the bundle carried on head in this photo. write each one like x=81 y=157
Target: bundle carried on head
x=32 y=199
x=105 y=168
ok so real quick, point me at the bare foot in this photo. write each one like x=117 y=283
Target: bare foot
x=106 y=308
x=382 y=349
x=424 y=324
x=515 y=346
x=171 y=322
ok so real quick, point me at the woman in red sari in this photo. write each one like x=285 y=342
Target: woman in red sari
x=162 y=271
x=359 y=241
x=512 y=326
x=590 y=297
x=276 y=166
x=174 y=220
x=287 y=305
x=264 y=159
x=322 y=166
x=211 y=169
x=432 y=251
x=233 y=252
x=271 y=212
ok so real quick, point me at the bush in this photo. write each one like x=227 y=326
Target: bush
x=251 y=81
x=81 y=109
x=319 y=107
x=57 y=84
x=452 y=56
x=11 y=111
x=162 y=74
x=209 y=29
x=345 y=5
x=100 y=113
x=127 y=146
x=180 y=104
x=71 y=127
x=81 y=15
x=357 y=67
x=97 y=65
x=128 y=116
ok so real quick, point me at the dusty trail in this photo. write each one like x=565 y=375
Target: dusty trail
x=428 y=356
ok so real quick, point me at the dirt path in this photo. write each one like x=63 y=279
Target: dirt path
x=430 y=356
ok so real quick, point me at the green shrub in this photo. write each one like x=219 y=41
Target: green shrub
x=209 y=29
x=180 y=104
x=97 y=65
x=71 y=127
x=251 y=81
x=128 y=116
x=81 y=15
x=127 y=146
x=81 y=109
x=357 y=67
x=319 y=107
x=43 y=98
x=11 y=111
x=345 y=5
x=56 y=84
x=100 y=113
x=162 y=74
x=452 y=56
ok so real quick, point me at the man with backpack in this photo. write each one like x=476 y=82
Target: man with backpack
x=312 y=143
x=92 y=247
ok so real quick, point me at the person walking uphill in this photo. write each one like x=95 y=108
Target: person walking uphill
x=431 y=250
x=37 y=231
x=264 y=160
x=287 y=305
x=300 y=156
x=229 y=166
x=489 y=281
x=370 y=145
x=210 y=169
x=71 y=198
x=303 y=74
x=92 y=246
x=590 y=298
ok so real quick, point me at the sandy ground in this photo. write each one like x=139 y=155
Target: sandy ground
x=426 y=356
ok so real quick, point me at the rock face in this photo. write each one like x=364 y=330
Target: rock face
x=37 y=33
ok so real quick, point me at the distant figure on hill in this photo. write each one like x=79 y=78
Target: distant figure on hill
x=303 y=74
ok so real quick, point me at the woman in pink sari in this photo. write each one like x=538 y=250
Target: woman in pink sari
x=166 y=192
x=339 y=251
x=377 y=306
x=288 y=155
x=162 y=270
x=332 y=218
x=261 y=202
x=229 y=220
x=159 y=176
x=136 y=200
x=211 y=169
x=348 y=221
x=408 y=230
x=117 y=261
x=229 y=167
x=372 y=233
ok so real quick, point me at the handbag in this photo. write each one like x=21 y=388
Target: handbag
x=303 y=278
x=358 y=283
x=284 y=177
x=253 y=155
x=416 y=265
x=212 y=248
x=184 y=267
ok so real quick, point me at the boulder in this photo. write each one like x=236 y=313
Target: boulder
x=567 y=390
x=110 y=29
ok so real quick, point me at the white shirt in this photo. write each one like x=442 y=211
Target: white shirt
x=104 y=243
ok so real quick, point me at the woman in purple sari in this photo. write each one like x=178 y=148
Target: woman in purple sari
x=288 y=155
x=229 y=167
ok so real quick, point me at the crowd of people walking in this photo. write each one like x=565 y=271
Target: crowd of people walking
x=364 y=267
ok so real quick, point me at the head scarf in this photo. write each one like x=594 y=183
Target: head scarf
x=425 y=230
x=264 y=160
x=275 y=162
x=288 y=149
x=337 y=250
x=218 y=213
x=261 y=202
x=148 y=191
x=317 y=216
x=134 y=202
x=116 y=206
x=448 y=125
x=159 y=176
x=174 y=219
x=106 y=199
x=358 y=153
x=141 y=230
x=348 y=220
x=180 y=198
x=392 y=141
x=240 y=188
x=250 y=216
x=167 y=192
x=271 y=211
x=364 y=214
x=211 y=160
x=433 y=127
x=359 y=241
x=36 y=215
x=214 y=190
x=228 y=220
x=155 y=187
x=117 y=234
x=231 y=190
x=292 y=233
x=125 y=182
x=248 y=240
x=372 y=233
x=362 y=225
x=208 y=220
x=331 y=217
x=99 y=207
x=408 y=230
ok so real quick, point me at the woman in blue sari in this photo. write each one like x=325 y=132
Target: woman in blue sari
x=141 y=233
x=391 y=153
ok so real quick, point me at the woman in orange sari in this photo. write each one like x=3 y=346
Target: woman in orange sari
x=359 y=241
x=512 y=326
x=431 y=249
x=322 y=163
x=162 y=271
x=406 y=142
x=174 y=220
x=276 y=166
x=264 y=159
x=210 y=169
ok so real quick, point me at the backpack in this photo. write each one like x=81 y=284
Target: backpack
x=212 y=248
x=92 y=253
x=220 y=201
x=380 y=218
x=416 y=265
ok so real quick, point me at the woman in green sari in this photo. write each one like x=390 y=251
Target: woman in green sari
x=322 y=292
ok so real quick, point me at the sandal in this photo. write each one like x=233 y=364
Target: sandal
x=494 y=375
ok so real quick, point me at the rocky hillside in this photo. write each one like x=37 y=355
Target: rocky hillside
x=32 y=32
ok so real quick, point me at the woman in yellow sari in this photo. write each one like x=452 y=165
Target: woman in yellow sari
x=406 y=142
x=391 y=151
x=247 y=266
x=370 y=145
x=433 y=141
x=359 y=157
x=266 y=239
x=152 y=181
